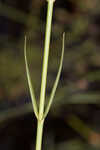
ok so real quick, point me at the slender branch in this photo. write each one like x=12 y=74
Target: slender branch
x=30 y=84
x=56 y=81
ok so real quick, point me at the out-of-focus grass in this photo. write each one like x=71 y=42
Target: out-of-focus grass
x=17 y=16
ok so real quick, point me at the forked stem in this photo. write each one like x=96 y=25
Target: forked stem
x=41 y=113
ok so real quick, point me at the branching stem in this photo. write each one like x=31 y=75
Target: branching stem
x=41 y=113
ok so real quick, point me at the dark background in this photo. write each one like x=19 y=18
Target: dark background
x=73 y=121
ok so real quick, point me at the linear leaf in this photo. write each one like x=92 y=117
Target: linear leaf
x=30 y=83
x=56 y=81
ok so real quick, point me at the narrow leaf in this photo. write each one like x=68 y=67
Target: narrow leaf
x=30 y=83
x=56 y=81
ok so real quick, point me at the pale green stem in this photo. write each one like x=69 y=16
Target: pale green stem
x=44 y=75
x=45 y=59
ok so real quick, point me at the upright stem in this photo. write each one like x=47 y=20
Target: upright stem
x=44 y=75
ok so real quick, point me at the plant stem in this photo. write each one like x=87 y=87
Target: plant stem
x=44 y=75
x=39 y=134
x=45 y=59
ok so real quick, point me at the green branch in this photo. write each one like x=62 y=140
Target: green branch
x=30 y=83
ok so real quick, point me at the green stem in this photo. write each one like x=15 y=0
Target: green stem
x=44 y=75
x=45 y=59
x=39 y=134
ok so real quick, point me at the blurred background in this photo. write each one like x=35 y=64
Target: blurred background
x=73 y=122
